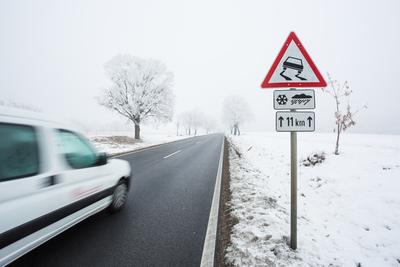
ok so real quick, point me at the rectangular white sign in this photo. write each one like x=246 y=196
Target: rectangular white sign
x=294 y=99
x=287 y=121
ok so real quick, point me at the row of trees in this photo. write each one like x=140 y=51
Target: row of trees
x=235 y=112
x=190 y=122
x=141 y=90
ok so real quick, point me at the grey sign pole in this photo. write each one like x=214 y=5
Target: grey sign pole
x=293 y=189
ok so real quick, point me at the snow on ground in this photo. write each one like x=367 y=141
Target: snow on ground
x=120 y=142
x=348 y=206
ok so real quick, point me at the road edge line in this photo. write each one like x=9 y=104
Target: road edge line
x=208 y=255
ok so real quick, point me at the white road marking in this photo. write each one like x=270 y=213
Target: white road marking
x=176 y=152
x=207 y=258
x=138 y=150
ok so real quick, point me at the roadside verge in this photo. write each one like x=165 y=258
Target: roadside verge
x=225 y=220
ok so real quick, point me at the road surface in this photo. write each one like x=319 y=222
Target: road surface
x=164 y=222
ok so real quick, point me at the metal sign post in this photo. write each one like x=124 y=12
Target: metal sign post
x=293 y=121
x=293 y=68
x=293 y=188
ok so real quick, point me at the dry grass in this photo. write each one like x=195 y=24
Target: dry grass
x=225 y=220
x=123 y=140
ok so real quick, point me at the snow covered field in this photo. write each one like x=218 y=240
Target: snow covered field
x=120 y=142
x=348 y=206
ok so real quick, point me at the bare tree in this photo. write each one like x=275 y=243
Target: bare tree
x=343 y=114
x=140 y=90
x=235 y=113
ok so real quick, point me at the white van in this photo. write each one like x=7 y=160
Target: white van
x=51 y=178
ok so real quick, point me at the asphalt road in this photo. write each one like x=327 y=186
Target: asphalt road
x=164 y=222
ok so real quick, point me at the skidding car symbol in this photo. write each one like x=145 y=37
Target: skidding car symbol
x=295 y=64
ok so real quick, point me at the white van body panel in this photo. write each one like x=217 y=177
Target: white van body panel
x=54 y=189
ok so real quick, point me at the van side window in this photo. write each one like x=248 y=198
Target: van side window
x=75 y=150
x=19 y=151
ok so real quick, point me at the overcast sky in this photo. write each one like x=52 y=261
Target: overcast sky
x=52 y=53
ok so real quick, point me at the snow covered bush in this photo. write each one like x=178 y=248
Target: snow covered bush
x=314 y=159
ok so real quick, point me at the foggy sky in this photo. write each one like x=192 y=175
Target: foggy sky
x=52 y=53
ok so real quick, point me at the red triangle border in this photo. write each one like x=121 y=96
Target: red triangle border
x=266 y=84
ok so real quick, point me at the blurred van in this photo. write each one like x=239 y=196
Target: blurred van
x=51 y=178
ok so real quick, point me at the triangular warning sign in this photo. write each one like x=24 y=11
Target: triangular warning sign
x=293 y=68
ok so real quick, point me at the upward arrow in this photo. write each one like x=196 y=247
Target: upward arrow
x=280 y=121
x=309 y=121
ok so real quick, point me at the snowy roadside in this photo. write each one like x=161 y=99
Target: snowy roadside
x=348 y=206
x=116 y=144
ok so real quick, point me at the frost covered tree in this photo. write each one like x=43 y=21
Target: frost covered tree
x=180 y=122
x=194 y=120
x=177 y=123
x=343 y=114
x=208 y=124
x=185 y=122
x=235 y=113
x=140 y=90
x=197 y=118
x=191 y=120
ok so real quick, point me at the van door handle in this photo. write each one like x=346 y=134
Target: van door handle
x=50 y=181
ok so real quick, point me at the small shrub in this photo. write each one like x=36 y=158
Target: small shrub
x=314 y=159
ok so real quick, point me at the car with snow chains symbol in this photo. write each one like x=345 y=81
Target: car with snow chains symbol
x=301 y=99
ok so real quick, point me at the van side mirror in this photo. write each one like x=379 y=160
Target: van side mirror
x=102 y=159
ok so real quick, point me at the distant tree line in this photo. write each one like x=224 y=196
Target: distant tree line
x=190 y=122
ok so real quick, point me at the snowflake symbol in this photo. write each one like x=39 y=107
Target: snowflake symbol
x=281 y=99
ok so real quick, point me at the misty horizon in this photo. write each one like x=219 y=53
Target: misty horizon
x=53 y=55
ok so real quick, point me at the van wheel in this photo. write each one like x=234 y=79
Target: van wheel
x=119 y=197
